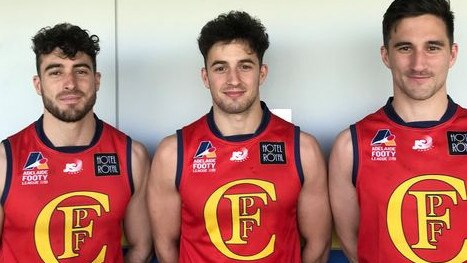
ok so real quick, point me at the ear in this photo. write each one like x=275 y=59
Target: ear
x=454 y=51
x=263 y=72
x=385 y=56
x=36 y=81
x=97 y=80
x=204 y=77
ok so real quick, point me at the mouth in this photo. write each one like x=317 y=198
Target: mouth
x=234 y=93
x=419 y=78
x=69 y=98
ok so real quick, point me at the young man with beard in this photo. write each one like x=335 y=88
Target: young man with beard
x=70 y=182
x=398 y=177
x=239 y=184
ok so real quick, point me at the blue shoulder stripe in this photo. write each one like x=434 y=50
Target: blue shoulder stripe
x=298 y=160
x=353 y=132
x=128 y=164
x=178 y=176
x=9 y=167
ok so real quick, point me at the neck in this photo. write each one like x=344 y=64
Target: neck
x=431 y=109
x=63 y=134
x=238 y=124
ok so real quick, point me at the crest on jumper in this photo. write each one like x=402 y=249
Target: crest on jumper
x=73 y=167
x=204 y=159
x=206 y=149
x=239 y=156
x=35 y=170
x=423 y=144
x=36 y=161
x=383 y=146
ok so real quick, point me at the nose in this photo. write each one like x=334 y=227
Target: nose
x=419 y=59
x=233 y=77
x=69 y=81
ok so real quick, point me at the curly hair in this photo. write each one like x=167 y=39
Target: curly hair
x=400 y=9
x=235 y=25
x=69 y=38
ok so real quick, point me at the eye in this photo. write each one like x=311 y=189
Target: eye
x=54 y=73
x=434 y=48
x=245 y=67
x=220 y=69
x=404 y=49
x=82 y=71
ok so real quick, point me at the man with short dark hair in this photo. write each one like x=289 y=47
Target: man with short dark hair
x=69 y=181
x=397 y=181
x=240 y=184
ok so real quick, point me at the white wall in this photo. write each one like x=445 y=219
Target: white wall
x=324 y=60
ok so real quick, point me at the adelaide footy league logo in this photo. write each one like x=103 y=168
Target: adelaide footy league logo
x=383 y=146
x=36 y=161
x=204 y=159
x=35 y=170
x=206 y=149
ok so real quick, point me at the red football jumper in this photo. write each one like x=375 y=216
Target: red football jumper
x=239 y=193
x=65 y=204
x=411 y=185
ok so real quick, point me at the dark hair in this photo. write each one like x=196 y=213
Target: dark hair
x=400 y=9
x=235 y=25
x=69 y=38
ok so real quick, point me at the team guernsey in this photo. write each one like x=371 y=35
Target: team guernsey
x=65 y=204
x=239 y=194
x=411 y=181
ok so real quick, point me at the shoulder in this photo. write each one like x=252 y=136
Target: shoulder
x=165 y=158
x=164 y=164
x=139 y=163
x=309 y=144
x=311 y=156
x=3 y=164
x=343 y=139
x=343 y=145
x=138 y=150
x=167 y=148
x=342 y=157
x=2 y=153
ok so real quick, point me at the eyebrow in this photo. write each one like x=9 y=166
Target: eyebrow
x=437 y=42
x=247 y=61
x=223 y=62
x=431 y=42
x=218 y=62
x=58 y=65
x=52 y=66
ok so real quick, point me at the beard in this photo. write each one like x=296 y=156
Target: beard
x=73 y=113
x=235 y=107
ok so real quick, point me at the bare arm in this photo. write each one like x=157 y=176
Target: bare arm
x=164 y=201
x=2 y=181
x=314 y=212
x=137 y=229
x=343 y=195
